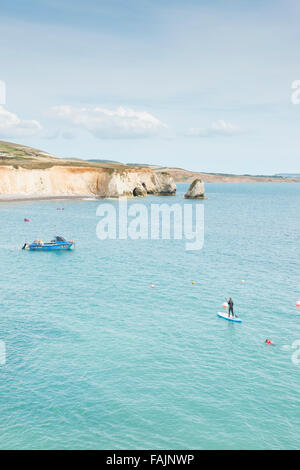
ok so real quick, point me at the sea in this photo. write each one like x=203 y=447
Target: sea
x=117 y=343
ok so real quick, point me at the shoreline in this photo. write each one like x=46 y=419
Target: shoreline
x=31 y=197
x=21 y=197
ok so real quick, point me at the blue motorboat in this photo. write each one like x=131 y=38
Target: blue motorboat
x=59 y=243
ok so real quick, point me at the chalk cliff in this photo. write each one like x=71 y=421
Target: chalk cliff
x=83 y=181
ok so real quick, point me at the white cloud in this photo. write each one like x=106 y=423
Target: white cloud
x=217 y=128
x=106 y=123
x=13 y=126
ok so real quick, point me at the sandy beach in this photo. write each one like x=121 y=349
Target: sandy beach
x=31 y=197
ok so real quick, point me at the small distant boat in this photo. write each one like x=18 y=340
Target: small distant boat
x=26 y=220
x=59 y=243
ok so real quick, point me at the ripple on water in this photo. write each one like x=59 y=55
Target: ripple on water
x=97 y=359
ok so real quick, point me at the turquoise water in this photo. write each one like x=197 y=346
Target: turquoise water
x=95 y=358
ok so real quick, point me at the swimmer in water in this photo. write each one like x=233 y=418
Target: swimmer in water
x=230 y=307
x=268 y=341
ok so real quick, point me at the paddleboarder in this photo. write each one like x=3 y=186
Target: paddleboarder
x=230 y=307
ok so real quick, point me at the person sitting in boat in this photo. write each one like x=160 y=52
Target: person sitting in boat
x=60 y=239
x=230 y=307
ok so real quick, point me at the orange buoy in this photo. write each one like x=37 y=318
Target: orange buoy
x=225 y=305
x=152 y=286
x=298 y=303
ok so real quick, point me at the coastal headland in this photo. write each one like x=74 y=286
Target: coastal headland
x=28 y=173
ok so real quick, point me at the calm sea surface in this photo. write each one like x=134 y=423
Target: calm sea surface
x=95 y=358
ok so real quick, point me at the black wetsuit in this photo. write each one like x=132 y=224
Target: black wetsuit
x=230 y=308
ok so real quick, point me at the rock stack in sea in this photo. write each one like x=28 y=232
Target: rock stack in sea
x=196 y=190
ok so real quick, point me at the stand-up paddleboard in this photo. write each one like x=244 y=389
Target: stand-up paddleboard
x=226 y=317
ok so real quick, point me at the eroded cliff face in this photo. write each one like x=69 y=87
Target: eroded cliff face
x=196 y=190
x=83 y=181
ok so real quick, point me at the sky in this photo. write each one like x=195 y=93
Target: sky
x=204 y=85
